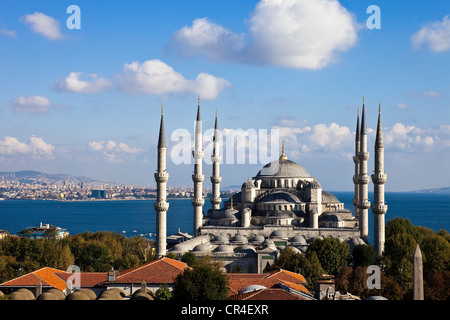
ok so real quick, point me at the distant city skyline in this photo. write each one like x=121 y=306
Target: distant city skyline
x=87 y=101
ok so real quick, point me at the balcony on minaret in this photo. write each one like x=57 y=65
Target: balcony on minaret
x=198 y=154
x=198 y=202
x=355 y=159
x=365 y=204
x=363 y=178
x=216 y=200
x=216 y=179
x=198 y=177
x=363 y=156
x=161 y=205
x=216 y=159
x=379 y=208
x=379 y=178
x=355 y=179
x=161 y=177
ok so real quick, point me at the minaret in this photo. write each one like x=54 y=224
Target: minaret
x=216 y=178
x=379 y=179
x=363 y=180
x=356 y=161
x=161 y=206
x=198 y=176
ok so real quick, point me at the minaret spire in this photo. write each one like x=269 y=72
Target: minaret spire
x=379 y=208
x=198 y=176
x=356 y=161
x=216 y=178
x=160 y=204
x=363 y=181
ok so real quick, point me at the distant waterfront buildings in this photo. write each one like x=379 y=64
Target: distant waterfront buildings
x=45 y=231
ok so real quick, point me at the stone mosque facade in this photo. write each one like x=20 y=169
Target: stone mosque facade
x=281 y=206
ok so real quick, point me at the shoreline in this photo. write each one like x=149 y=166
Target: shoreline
x=227 y=197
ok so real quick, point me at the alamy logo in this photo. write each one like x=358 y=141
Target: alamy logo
x=235 y=146
x=374 y=280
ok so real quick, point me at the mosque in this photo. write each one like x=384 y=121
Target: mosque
x=281 y=206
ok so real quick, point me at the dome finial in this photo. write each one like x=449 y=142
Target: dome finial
x=231 y=200
x=283 y=156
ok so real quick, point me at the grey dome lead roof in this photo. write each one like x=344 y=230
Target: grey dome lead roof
x=283 y=169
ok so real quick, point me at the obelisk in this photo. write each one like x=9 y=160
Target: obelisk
x=418 y=275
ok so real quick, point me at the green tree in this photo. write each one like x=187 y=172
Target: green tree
x=163 y=293
x=332 y=253
x=204 y=282
x=311 y=269
x=364 y=255
x=189 y=258
x=288 y=260
x=436 y=254
x=94 y=256
x=57 y=255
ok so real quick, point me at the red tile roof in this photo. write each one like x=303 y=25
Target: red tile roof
x=267 y=294
x=238 y=281
x=163 y=270
x=47 y=276
x=271 y=280
x=87 y=279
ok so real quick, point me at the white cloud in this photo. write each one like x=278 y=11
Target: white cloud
x=112 y=150
x=95 y=145
x=330 y=137
x=44 y=25
x=427 y=94
x=91 y=83
x=12 y=146
x=40 y=148
x=206 y=37
x=37 y=147
x=31 y=104
x=403 y=106
x=9 y=33
x=289 y=33
x=406 y=138
x=302 y=138
x=155 y=77
x=436 y=35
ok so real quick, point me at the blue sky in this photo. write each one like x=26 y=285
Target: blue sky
x=87 y=101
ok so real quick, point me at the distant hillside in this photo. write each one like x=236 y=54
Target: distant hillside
x=29 y=176
x=435 y=190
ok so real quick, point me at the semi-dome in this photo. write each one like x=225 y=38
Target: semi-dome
x=283 y=168
x=280 y=197
x=314 y=185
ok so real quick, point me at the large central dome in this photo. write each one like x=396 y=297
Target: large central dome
x=283 y=168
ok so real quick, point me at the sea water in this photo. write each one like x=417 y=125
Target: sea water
x=137 y=217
